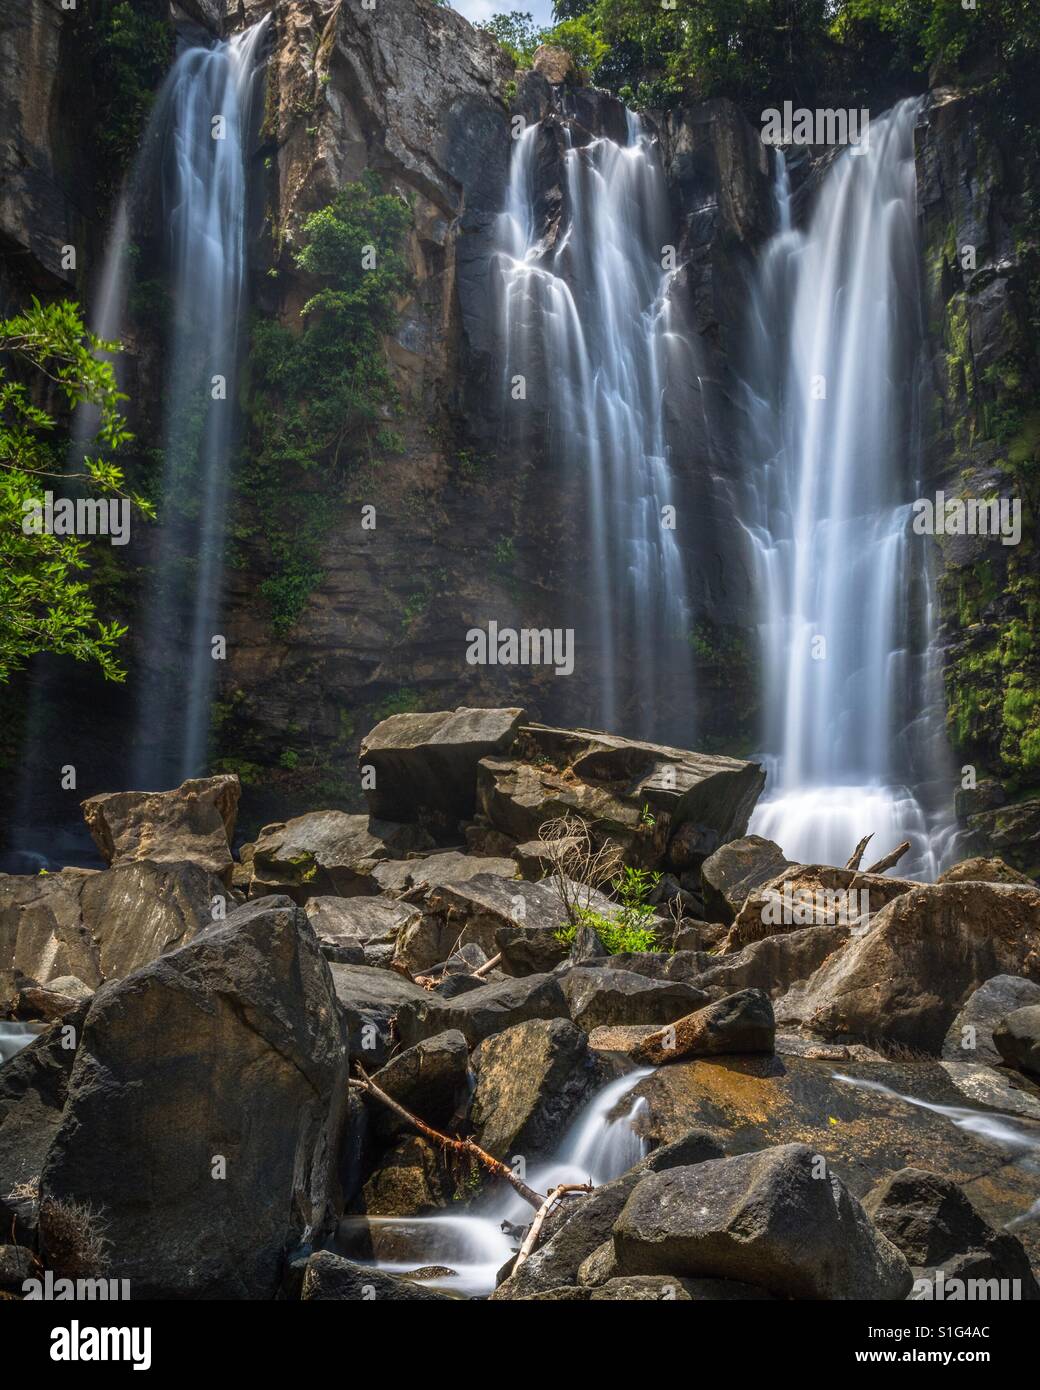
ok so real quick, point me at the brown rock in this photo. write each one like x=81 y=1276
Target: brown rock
x=742 y=1022
x=194 y=823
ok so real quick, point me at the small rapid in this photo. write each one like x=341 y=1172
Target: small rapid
x=600 y=1144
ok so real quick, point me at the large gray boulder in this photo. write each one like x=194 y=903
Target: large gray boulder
x=531 y=1080
x=1017 y=1039
x=425 y=765
x=770 y=1219
x=328 y=852
x=906 y=978
x=934 y=1223
x=730 y=874
x=426 y=1079
x=345 y=927
x=210 y=1168
x=433 y=870
x=598 y=996
x=195 y=823
x=970 y=1037
x=481 y=1012
x=807 y=895
x=611 y=782
x=371 y=999
x=100 y=926
x=772 y=964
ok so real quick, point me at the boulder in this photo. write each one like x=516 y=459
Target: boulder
x=33 y=1087
x=765 y=1219
x=330 y=1278
x=742 y=1022
x=599 y=996
x=924 y=953
x=1011 y=833
x=1017 y=1039
x=729 y=875
x=410 y=1179
x=531 y=1080
x=195 y=823
x=17 y=1263
x=481 y=1012
x=555 y=64
x=613 y=784
x=426 y=1079
x=425 y=765
x=100 y=926
x=227 y=1153
x=932 y=1221
x=970 y=1037
x=433 y=870
x=31 y=1000
x=557 y=1261
x=346 y=927
x=328 y=852
x=370 y=999
x=773 y=964
x=807 y=895
x=980 y=870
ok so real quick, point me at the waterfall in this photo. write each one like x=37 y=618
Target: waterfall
x=196 y=136
x=586 y=311
x=852 y=727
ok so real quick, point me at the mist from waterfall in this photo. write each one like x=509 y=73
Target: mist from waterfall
x=196 y=137
x=588 y=313
x=852 y=713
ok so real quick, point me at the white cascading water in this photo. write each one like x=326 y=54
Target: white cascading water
x=597 y=1147
x=852 y=729
x=204 y=214
x=593 y=309
x=15 y=1036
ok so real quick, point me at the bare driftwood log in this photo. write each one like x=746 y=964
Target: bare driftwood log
x=459 y=1146
x=488 y=965
x=535 y=1230
x=889 y=861
x=857 y=853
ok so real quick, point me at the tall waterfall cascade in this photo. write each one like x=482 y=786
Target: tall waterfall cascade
x=197 y=136
x=592 y=310
x=852 y=711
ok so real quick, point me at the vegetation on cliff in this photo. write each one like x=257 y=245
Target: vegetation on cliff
x=320 y=398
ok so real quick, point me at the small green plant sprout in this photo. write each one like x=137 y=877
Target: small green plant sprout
x=647 y=817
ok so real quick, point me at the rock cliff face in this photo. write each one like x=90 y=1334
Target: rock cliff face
x=980 y=438
x=428 y=104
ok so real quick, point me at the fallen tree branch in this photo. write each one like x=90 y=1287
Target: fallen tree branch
x=857 y=853
x=889 y=861
x=460 y=1146
x=488 y=965
x=531 y=1239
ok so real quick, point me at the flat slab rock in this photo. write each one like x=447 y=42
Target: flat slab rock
x=597 y=996
x=425 y=765
x=327 y=852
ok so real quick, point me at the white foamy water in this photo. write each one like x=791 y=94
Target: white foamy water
x=15 y=1036
x=853 y=710
x=596 y=1148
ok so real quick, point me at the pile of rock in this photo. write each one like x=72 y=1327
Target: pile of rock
x=201 y=1012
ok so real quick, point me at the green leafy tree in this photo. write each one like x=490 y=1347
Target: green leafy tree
x=44 y=605
x=516 y=33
